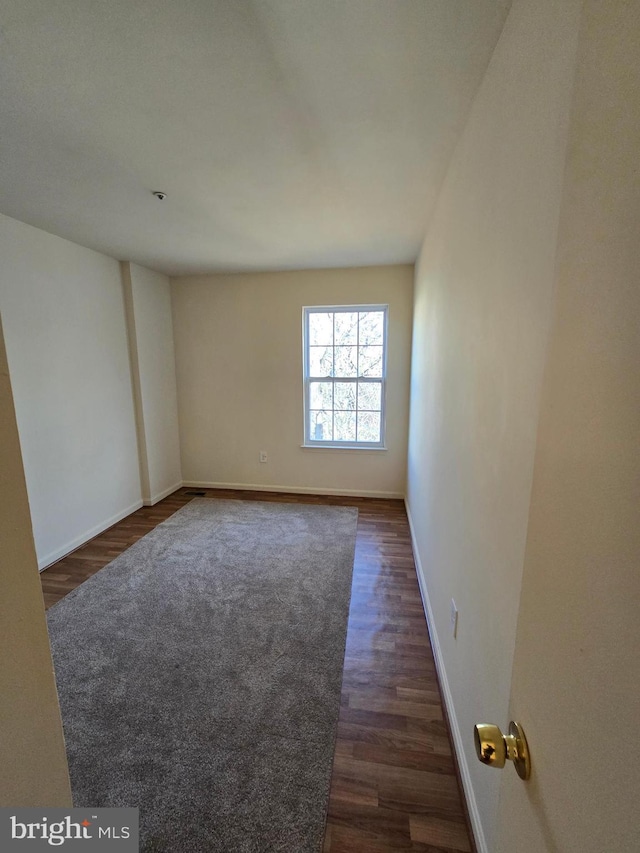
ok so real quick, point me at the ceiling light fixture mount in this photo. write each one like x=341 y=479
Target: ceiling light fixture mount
x=159 y=195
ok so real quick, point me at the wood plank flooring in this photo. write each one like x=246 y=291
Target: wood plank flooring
x=394 y=783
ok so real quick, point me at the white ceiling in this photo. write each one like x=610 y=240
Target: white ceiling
x=286 y=133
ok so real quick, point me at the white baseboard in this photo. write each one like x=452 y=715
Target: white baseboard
x=67 y=548
x=163 y=494
x=474 y=814
x=304 y=490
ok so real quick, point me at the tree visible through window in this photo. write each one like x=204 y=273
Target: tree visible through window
x=344 y=373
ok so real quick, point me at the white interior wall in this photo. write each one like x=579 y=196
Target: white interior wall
x=64 y=321
x=483 y=302
x=150 y=326
x=239 y=366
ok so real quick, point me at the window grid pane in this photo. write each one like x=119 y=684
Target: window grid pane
x=320 y=361
x=344 y=428
x=321 y=425
x=357 y=361
x=369 y=396
x=368 y=427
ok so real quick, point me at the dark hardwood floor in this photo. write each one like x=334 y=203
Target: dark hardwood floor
x=394 y=783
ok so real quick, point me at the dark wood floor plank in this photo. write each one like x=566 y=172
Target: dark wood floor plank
x=395 y=784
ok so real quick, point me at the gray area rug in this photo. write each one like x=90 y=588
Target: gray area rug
x=199 y=676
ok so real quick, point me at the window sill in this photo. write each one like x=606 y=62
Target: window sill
x=328 y=446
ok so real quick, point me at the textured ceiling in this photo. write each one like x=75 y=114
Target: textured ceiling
x=286 y=133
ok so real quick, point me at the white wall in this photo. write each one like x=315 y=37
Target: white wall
x=575 y=675
x=33 y=764
x=63 y=312
x=148 y=300
x=483 y=301
x=239 y=366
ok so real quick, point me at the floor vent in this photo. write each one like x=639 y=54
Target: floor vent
x=194 y=494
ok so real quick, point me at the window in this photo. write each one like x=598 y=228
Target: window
x=345 y=357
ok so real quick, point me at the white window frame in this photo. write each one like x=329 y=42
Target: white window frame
x=307 y=379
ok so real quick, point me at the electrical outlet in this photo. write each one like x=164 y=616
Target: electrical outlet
x=263 y=455
x=454 y=619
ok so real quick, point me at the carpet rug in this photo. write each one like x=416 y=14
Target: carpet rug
x=199 y=676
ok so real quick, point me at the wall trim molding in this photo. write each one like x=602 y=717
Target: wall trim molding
x=469 y=793
x=163 y=494
x=66 y=549
x=302 y=490
x=53 y=556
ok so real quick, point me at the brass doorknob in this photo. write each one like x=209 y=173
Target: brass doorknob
x=493 y=748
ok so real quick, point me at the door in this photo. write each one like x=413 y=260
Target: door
x=33 y=764
x=576 y=675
